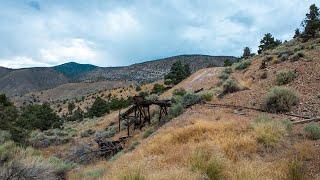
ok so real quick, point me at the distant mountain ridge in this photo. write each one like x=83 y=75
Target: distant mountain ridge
x=73 y=70
x=16 y=82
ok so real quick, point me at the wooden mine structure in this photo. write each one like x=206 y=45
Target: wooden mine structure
x=139 y=113
x=136 y=116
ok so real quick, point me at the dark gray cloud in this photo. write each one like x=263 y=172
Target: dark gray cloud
x=121 y=32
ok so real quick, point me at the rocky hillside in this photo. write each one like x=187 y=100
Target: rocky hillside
x=154 y=70
x=21 y=81
x=16 y=82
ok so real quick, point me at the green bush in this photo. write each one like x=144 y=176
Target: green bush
x=152 y=97
x=280 y=99
x=190 y=99
x=138 y=88
x=207 y=164
x=244 y=64
x=207 y=96
x=268 y=132
x=60 y=166
x=227 y=70
x=296 y=56
x=98 y=108
x=50 y=137
x=223 y=76
x=175 y=110
x=179 y=92
x=4 y=136
x=132 y=175
x=38 y=117
x=87 y=133
x=230 y=86
x=178 y=72
x=296 y=170
x=287 y=124
x=147 y=133
x=133 y=145
x=285 y=77
x=158 y=88
x=312 y=131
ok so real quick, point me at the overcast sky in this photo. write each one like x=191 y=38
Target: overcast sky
x=122 y=32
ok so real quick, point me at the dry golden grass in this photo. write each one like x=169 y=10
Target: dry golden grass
x=231 y=146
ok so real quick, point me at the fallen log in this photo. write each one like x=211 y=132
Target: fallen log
x=307 y=121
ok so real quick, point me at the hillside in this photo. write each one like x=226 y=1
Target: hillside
x=73 y=70
x=225 y=143
x=16 y=82
x=202 y=141
x=154 y=70
x=21 y=81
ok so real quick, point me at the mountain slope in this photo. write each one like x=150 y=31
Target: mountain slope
x=21 y=81
x=73 y=70
x=154 y=70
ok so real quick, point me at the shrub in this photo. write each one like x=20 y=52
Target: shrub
x=20 y=163
x=190 y=99
x=49 y=137
x=296 y=56
x=264 y=75
x=287 y=124
x=285 y=77
x=242 y=64
x=283 y=57
x=230 y=86
x=175 y=110
x=108 y=133
x=296 y=170
x=147 y=133
x=133 y=145
x=152 y=97
x=179 y=92
x=204 y=162
x=312 y=131
x=227 y=70
x=98 y=108
x=38 y=117
x=280 y=99
x=138 y=88
x=207 y=96
x=132 y=175
x=268 y=132
x=87 y=133
x=4 y=136
x=158 y=89
x=143 y=93
x=223 y=76
x=60 y=166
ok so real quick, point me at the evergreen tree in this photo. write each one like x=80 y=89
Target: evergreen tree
x=297 y=33
x=311 y=23
x=98 y=108
x=178 y=72
x=268 y=42
x=246 y=52
x=40 y=117
x=71 y=107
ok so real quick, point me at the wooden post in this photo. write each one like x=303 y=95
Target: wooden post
x=119 y=120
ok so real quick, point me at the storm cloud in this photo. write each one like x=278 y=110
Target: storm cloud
x=122 y=32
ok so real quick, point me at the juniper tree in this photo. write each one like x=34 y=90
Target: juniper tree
x=268 y=42
x=246 y=52
x=311 y=23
